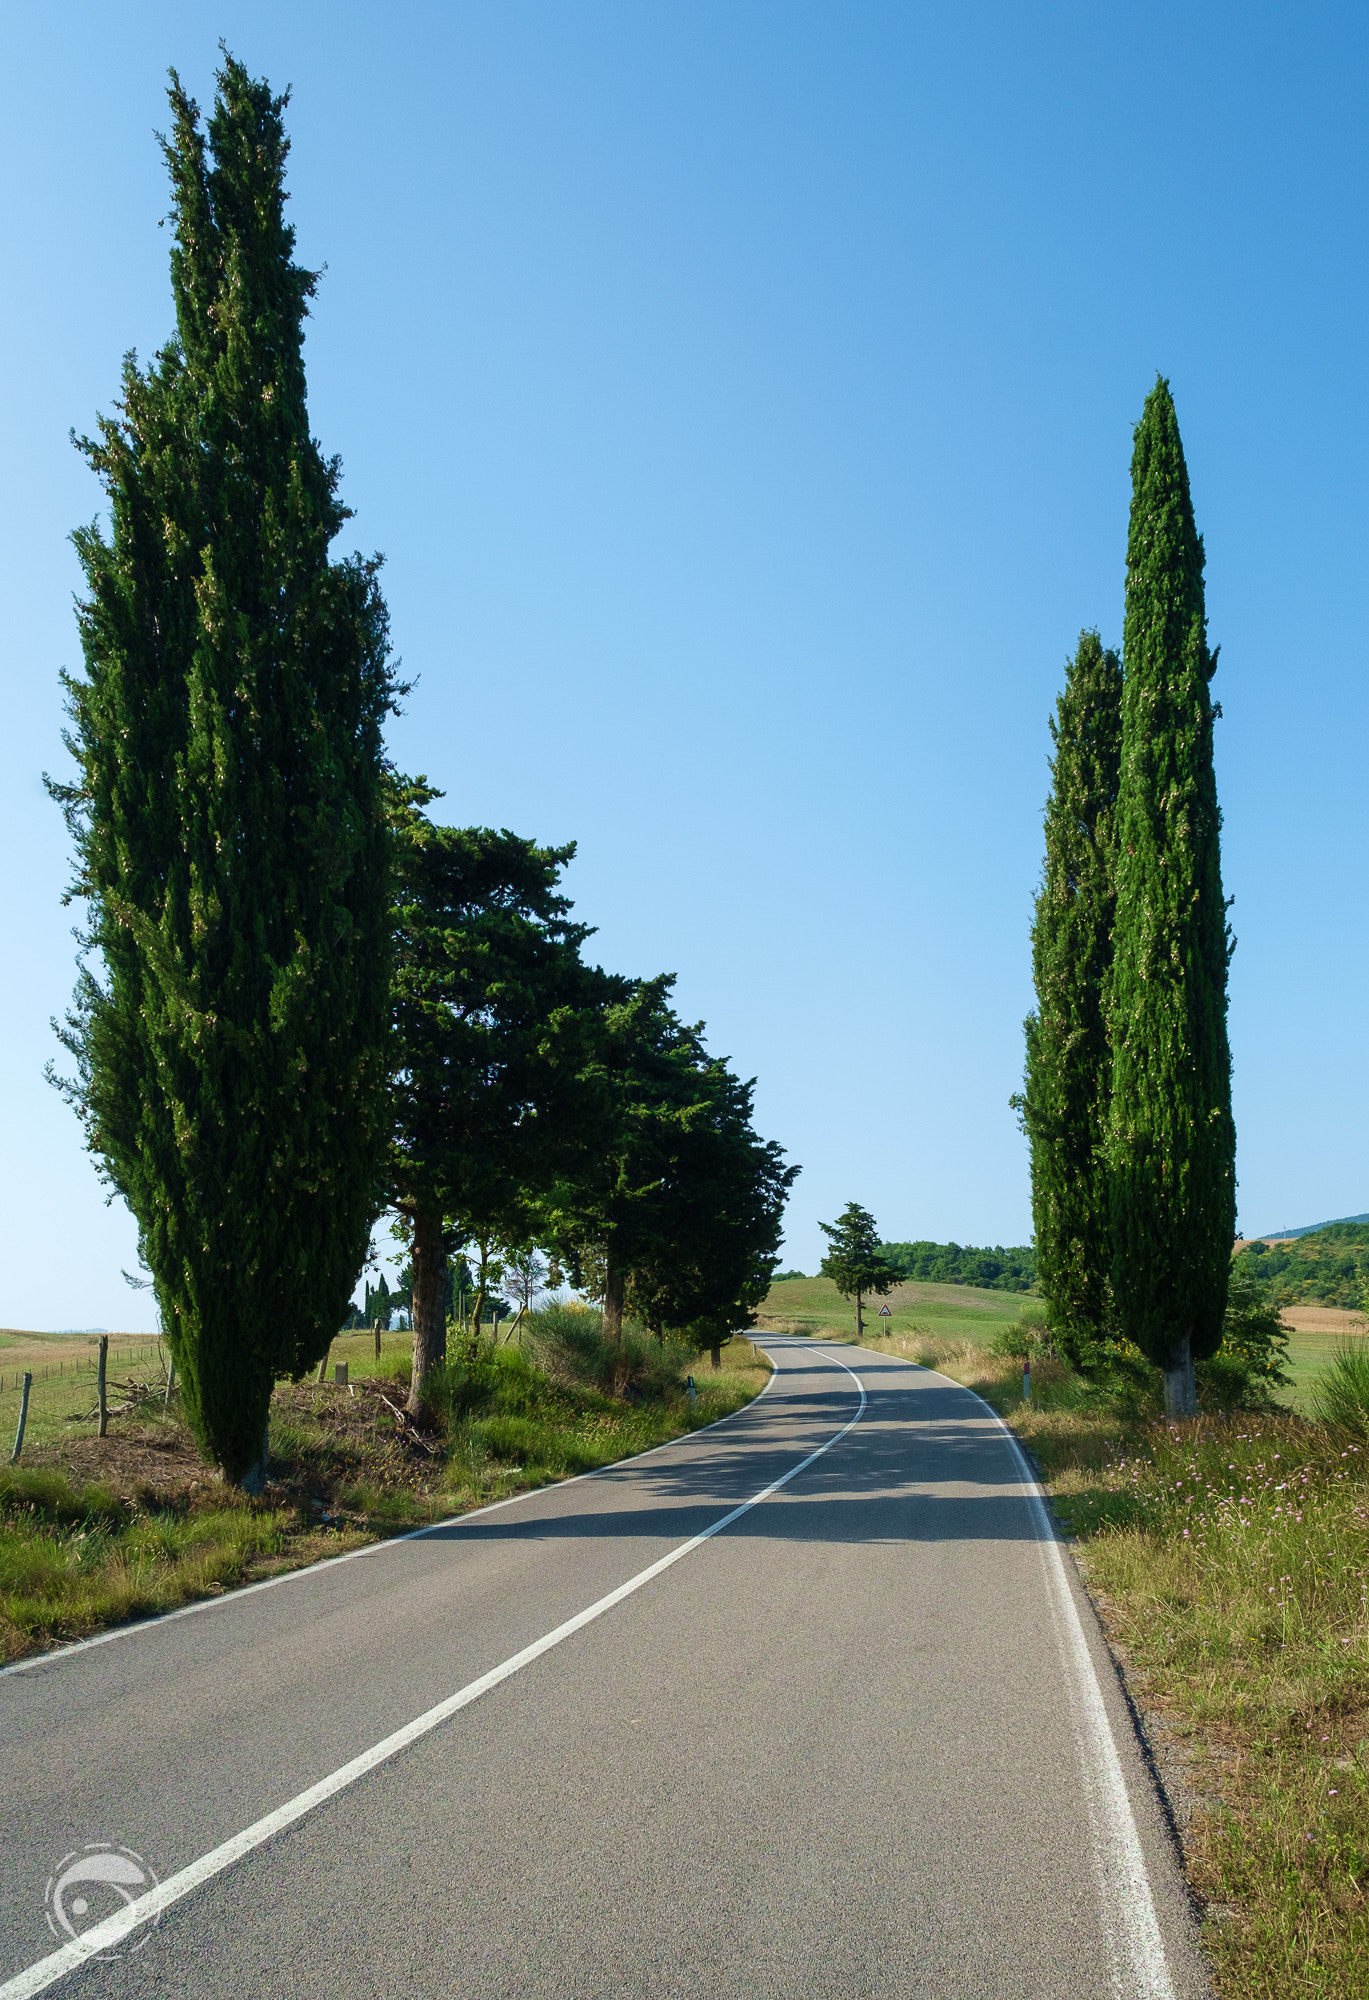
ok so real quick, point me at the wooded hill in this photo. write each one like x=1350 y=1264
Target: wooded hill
x=1330 y=1266
x=995 y=1270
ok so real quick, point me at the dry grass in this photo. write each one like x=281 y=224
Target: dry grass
x=1229 y=1557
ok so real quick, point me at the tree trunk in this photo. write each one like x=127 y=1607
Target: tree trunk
x=254 y=1479
x=1181 y=1389
x=717 y=1353
x=614 y=1287
x=429 y=1326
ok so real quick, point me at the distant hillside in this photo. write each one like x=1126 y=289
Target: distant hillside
x=1328 y=1265
x=1313 y=1228
x=996 y=1270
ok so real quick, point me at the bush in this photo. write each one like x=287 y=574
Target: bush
x=1029 y=1333
x=504 y=1378
x=1252 y=1361
x=1341 y=1397
x=569 y=1343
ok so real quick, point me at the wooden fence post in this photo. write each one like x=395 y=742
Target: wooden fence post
x=23 y=1419
x=100 y=1384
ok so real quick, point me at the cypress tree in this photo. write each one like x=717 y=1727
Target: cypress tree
x=1064 y=1105
x=228 y=817
x=1171 y=1141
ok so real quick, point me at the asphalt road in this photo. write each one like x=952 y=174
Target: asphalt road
x=862 y=1741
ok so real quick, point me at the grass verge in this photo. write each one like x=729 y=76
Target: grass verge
x=1229 y=1558
x=96 y=1531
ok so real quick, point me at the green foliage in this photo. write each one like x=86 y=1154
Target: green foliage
x=569 y=1399
x=1171 y=1141
x=855 y=1263
x=227 y=816
x=996 y=1270
x=490 y=1009
x=1328 y=1265
x=73 y=1558
x=1341 y=1397
x=674 y=1205
x=571 y=1346
x=1251 y=1327
x=487 y=981
x=1064 y=1103
x=1030 y=1333
x=710 y=1265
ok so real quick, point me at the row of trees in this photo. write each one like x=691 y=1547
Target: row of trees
x=539 y=1100
x=1127 y=1093
x=302 y=1000
x=994 y=1269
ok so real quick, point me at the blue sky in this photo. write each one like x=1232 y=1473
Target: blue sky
x=742 y=396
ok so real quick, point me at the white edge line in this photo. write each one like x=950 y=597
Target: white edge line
x=1127 y=1880
x=45 y=1972
x=129 y=1630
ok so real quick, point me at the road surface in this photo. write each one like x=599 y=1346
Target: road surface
x=861 y=1740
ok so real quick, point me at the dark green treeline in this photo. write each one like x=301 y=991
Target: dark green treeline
x=228 y=817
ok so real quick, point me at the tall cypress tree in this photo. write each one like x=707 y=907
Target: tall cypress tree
x=228 y=817
x=1064 y=1104
x=1172 y=1143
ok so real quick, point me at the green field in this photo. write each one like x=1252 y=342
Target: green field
x=1309 y=1350
x=961 y=1312
x=957 y=1312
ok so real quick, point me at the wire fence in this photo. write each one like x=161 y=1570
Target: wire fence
x=83 y=1365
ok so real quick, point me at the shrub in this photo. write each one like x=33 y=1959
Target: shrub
x=569 y=1343
x=1252 y=1361
x=1029 y=1333
x=1341 y=1397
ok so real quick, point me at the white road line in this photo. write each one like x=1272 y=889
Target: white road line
x=104 y=1937
x=135 y=1626
x=1136 y=1943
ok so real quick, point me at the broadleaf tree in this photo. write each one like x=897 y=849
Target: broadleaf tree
x=228 y=819
x=1171 y=1138
x=1064 y=1100
x=855 y=1263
